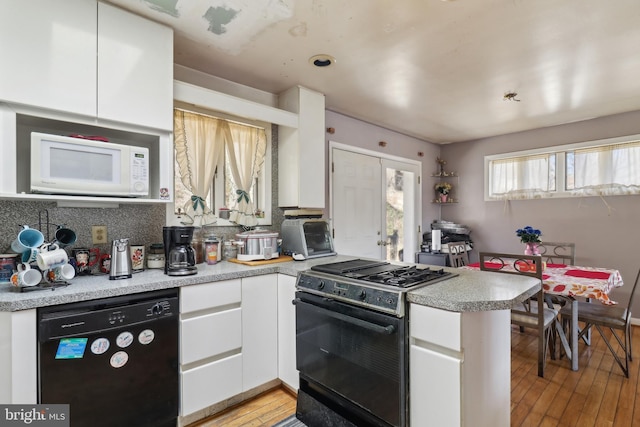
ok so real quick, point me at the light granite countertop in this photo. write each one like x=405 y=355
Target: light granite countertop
x=468 y=291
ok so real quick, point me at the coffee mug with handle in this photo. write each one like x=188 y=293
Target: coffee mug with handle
x=51 y=256
x=64 y=237
x=28 y=238
x=30 y=255
x=26 y=276
x=61 y=273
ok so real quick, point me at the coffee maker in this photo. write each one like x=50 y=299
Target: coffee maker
x=180 y=258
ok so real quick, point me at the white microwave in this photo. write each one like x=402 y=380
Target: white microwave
x=79 y=166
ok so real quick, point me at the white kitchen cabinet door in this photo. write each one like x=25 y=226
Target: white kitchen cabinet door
x=301 y=151
x=259 y=330
x=210 y=335
x=287 y=371
x=18 y=353
x=48 y=51
x=209 y=384
x=208 y=296
x=210 y=344
x=135 y=69
x=459 y=367
x=435 y=388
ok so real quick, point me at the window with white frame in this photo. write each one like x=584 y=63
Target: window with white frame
x=593 y=168
x=223 y=189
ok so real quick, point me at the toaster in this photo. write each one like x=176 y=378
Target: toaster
x=310 y=238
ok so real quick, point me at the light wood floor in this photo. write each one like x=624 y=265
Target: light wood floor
x=597 y=394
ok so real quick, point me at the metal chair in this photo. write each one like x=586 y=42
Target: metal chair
x=614 y=317
x=529 y=315
x=558 y=253
x=458 y=255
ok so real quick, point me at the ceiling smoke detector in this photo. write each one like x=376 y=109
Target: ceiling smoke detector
x=322 y=60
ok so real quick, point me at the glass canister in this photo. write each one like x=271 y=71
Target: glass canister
x=212 y=250
x=197 y=243
x=230 y=250
x=155 y=256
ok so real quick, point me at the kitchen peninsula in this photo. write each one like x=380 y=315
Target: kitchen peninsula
x=460 y=334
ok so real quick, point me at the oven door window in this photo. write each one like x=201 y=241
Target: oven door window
x=354 y=352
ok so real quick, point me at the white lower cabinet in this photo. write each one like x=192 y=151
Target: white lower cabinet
x=459 y=368
x=228 y=339
x=259 y=330
x=287 y=371
x=210 y=344
x=210 y=383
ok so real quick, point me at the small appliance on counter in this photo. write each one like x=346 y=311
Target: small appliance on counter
x=308 y=237
x=180 y=258
x=258 y=244
x=444 y=232
x=120 y=267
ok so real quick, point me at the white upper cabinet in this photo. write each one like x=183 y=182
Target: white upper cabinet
x=135 y=69
x=301 y=151
x=86 y=58
x=48 y=51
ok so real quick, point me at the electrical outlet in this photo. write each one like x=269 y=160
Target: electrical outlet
x=99 y=234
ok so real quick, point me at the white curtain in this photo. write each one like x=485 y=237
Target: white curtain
x=199 y=144
x=606 y=170
x=246 y=148
x=522 y=177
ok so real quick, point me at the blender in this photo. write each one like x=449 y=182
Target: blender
x=180 y=258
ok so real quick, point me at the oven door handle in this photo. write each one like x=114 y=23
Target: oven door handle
x=386 y=330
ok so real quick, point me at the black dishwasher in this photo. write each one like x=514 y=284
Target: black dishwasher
x=114 y=360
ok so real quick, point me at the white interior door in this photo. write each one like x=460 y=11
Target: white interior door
x=356 y=204
x=375 y=206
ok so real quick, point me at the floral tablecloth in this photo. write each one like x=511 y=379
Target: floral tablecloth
x=572 y=281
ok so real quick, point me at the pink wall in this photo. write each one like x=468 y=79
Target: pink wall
x=605 y=230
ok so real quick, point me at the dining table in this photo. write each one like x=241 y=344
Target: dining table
x=571 y=282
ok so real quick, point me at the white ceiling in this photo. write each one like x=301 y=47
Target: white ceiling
x=437 y=70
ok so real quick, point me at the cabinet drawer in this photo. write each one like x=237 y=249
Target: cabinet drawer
x=210 y=295
x=436 y=326
x=210 y=335
x=211 y=383
x=436 y=388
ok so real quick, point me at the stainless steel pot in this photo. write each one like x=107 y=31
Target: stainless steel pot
x=259 y=244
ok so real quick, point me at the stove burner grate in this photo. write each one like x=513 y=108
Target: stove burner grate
x=403 y=277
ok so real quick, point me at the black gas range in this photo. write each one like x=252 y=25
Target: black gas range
x=352 y=342
x=376 y=285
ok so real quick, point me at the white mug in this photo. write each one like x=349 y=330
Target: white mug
x=25 y=276
x=62 y=273
x=51 y=256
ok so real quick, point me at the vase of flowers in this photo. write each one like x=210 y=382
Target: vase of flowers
x=442 y=191
x=531 y=238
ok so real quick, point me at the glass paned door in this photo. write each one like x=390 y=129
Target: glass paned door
x=400 y=239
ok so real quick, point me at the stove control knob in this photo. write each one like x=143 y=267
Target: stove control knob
x=321 y=285
x=362 y=295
